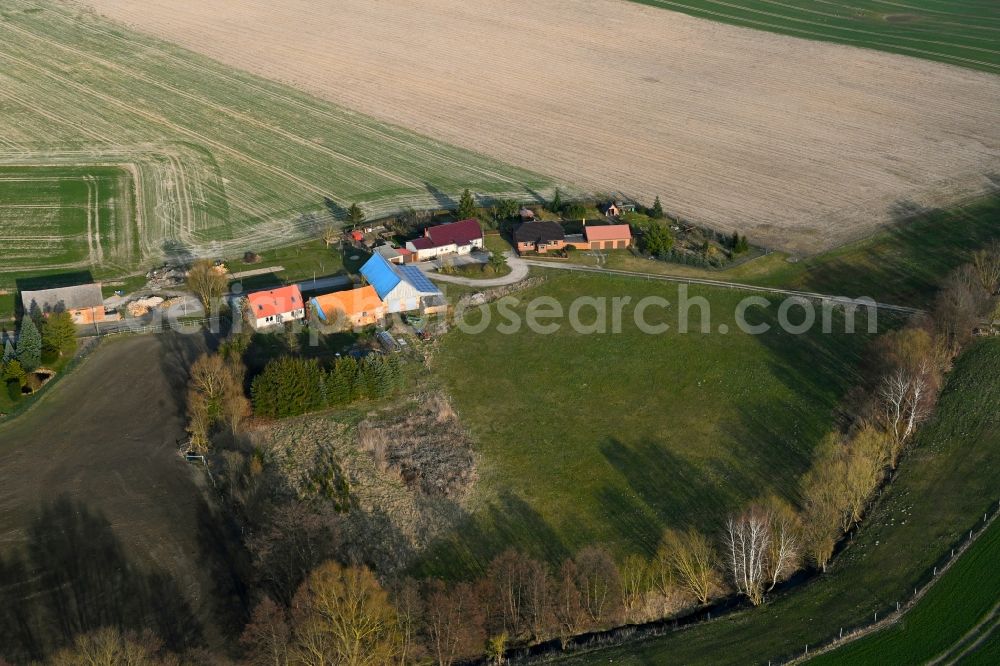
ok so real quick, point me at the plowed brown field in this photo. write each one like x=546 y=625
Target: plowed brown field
x=803 y=145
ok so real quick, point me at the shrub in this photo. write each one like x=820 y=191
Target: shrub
x=14 y=389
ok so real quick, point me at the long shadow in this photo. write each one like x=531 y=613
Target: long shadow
x=442 y=199
x=508 y=522
x=177 y=352
x=73 y=576
x=664 y=486
x=906 y=262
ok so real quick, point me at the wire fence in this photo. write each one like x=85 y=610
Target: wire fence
x=888 y=615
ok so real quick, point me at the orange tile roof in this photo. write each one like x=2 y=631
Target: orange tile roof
x=351 y=302
x=275 y=301
x=608 y=232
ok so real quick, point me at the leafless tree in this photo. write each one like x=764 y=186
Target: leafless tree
x=343 y=616
x=694 y=563
x=330 y=234
x=784 y=552
x=567 y=605
x=904 y=395
x=987 y=265
x=207 y=283
x=267 y=635
x=599 y=583
x=748 y=542
x=110 y=647
x=635 y=583
x=410 y=609
x=453 y=621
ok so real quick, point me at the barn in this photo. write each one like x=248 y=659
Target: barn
x=83 y=302
x=401 y=288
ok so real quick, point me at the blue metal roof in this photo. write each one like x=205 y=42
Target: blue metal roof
x=416 y=277
x=379 y=274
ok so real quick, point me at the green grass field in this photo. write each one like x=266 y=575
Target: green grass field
x=227 y=162
x=959 y=32
x=611 y=437
x=955 y=613
x=65 y=217
x=942 y=490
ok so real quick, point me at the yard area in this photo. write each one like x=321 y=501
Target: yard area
x=612 y=437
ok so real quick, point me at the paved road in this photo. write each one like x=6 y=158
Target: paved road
x=717 y=283
x=518 y=271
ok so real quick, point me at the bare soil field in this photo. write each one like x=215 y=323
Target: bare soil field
x=802 y=145
x=101 y=521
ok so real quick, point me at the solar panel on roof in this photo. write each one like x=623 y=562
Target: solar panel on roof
x=416 y=277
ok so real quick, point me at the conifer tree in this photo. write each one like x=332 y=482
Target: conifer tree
x=657 y=211
x=466 y=206
x=29 y=345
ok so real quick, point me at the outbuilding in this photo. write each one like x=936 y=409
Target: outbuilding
x=354 y=308
x=401 y=288
x=83 y=302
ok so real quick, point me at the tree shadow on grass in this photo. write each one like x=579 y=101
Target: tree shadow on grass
x=507 y=522
x=665 y=490
x=178 y=351
x=73 y=576
x=908 y=259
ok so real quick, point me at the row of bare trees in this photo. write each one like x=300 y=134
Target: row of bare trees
x=910 y=365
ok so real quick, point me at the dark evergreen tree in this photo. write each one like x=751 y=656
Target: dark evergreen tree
x=8 y=352
x=556 y=204
x=29 y=344
x=656 y=212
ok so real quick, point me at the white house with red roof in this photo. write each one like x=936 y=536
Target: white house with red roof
x=275 y=306
x=452 y=238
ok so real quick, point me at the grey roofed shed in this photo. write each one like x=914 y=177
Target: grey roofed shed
x=64 y=298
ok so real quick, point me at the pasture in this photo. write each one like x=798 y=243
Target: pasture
x=941 y=491
x=802 y=145
x=958 y=612
x=221 y=161
x=959 y=32
x=609 y=438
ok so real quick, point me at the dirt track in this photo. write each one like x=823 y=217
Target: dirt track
x=101 y=522
x=802 y=144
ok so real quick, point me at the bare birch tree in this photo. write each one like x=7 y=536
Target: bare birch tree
x=748 y=544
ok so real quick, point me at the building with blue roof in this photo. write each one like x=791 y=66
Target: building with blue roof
x=401 y=288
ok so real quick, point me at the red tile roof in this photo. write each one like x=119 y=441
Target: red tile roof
x=423 y=243
x=275 y=301
x=459 y=233
x=608 y=232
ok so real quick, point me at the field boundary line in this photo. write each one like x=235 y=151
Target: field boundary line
x=894 y=617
